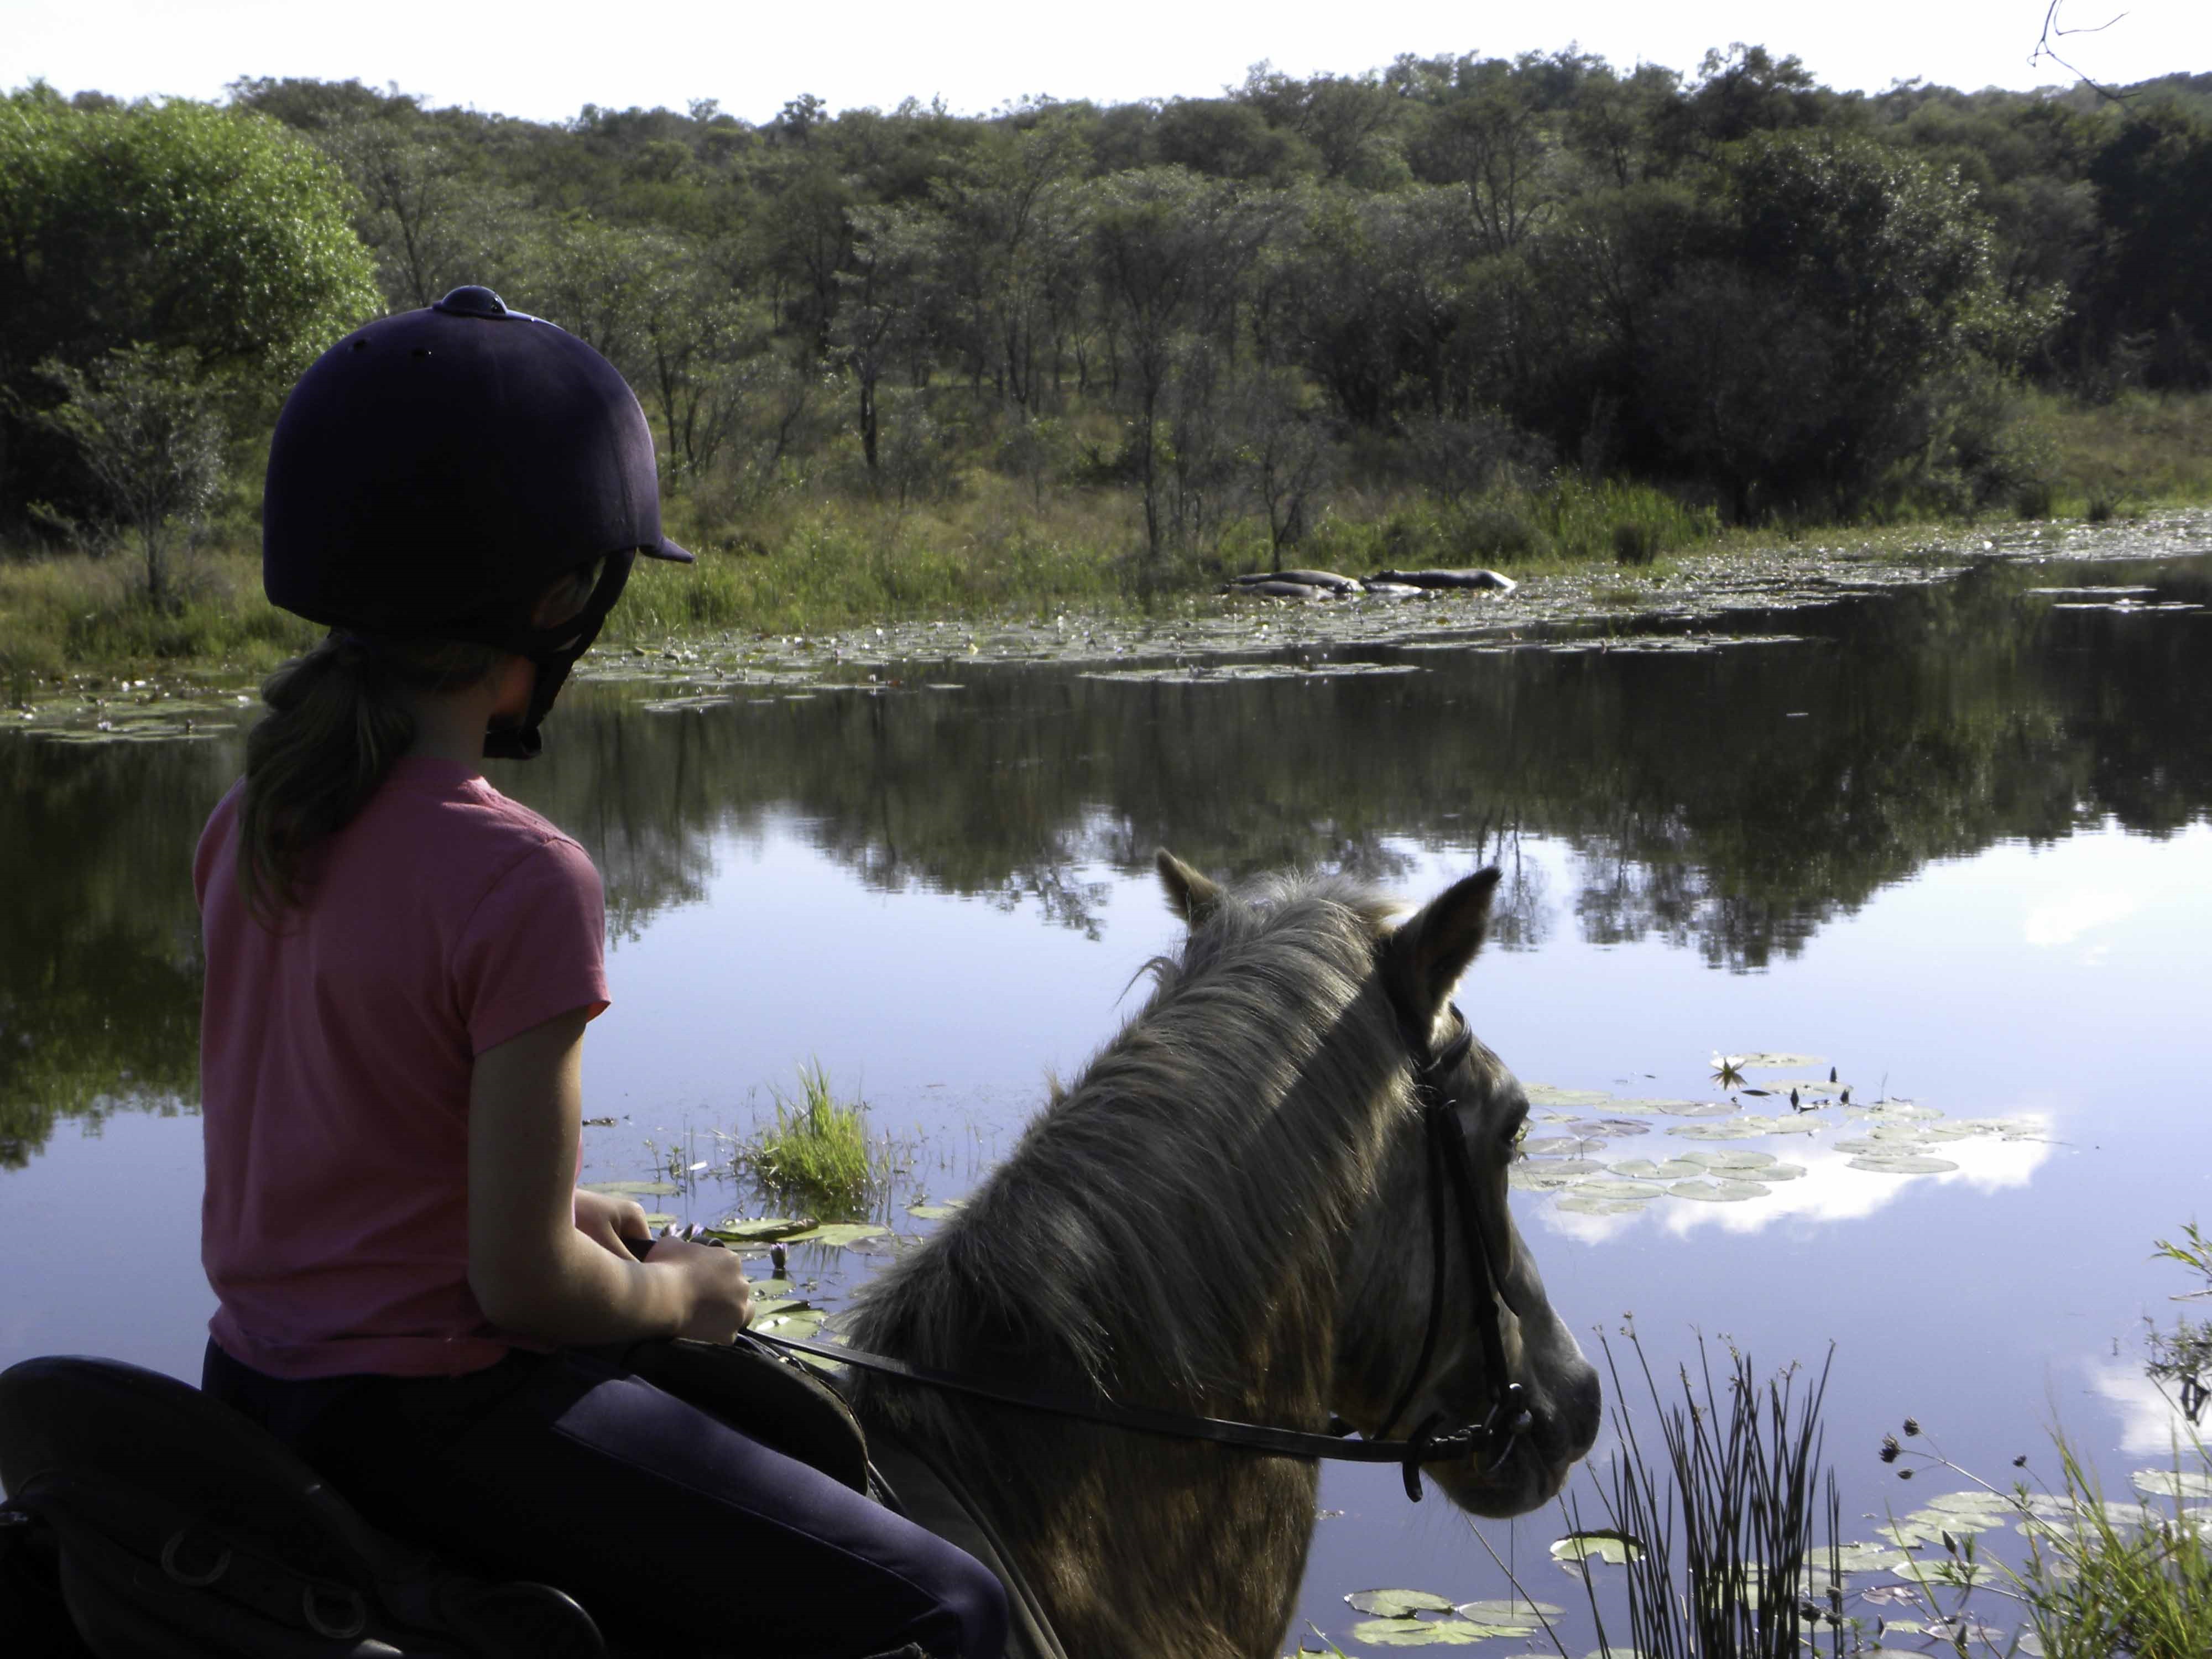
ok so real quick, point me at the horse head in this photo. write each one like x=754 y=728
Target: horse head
x=1411 y=1350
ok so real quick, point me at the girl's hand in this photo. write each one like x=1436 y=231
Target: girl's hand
x=720 y=1296
x=607 y=1219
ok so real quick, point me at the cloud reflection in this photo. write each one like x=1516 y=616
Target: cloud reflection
x=2151 y=1423
x=2062 y=920
x=1830 y=1190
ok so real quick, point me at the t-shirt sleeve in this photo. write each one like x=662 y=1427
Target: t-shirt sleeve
x=535 y=947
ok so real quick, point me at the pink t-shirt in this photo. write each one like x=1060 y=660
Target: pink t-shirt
x=335 y=1061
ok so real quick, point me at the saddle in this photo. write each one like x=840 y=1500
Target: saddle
x=144 y=1520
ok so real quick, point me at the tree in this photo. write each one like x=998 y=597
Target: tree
x=1845 y=278
x=141 y=422
x=2154 y=183
x=1169 y=249
x=1490 y=143
x=882 y=312
x=176 y=226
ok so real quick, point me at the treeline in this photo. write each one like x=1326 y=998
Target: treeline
x=1454 y=277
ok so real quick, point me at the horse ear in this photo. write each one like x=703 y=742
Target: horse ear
x=1431 y=949
x=1190 y=895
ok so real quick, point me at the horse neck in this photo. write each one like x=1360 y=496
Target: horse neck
x=1222 y=1297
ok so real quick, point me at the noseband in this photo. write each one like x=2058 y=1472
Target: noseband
x=1489 y=1442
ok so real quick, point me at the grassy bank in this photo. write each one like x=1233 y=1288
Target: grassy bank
x=804 y=555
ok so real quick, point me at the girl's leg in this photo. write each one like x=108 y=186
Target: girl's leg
x=670 y=1525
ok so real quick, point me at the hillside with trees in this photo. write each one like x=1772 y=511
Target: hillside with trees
x=1459 y=309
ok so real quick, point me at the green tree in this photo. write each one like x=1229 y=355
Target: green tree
x=176 y=226
x=141 y=422
x=2154 y=183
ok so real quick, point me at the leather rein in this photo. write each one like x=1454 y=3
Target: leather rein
x=1490 y=1441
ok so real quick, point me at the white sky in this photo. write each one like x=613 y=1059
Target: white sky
x=545 y=61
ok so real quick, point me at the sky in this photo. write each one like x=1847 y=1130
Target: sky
x=546 y=61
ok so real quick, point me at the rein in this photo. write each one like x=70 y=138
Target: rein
x=1491 y=1441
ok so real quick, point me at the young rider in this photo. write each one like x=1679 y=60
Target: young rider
x=400 y=965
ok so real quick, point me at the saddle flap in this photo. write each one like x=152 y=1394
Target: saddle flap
x=186 y=1532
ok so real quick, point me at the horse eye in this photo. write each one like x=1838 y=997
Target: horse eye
x=1516 y=1135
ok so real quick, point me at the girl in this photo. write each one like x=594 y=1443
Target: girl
x=400 y=966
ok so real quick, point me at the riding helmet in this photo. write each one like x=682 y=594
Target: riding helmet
x=434 y=472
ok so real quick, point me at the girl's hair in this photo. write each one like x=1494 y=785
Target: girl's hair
x=338 y=719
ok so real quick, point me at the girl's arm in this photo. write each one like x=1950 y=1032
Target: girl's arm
x=531 y=1270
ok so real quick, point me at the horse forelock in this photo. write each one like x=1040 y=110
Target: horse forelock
x=1168 y=1215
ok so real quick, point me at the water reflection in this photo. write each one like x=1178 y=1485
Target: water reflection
x=1830 y=1190
x=1729 y=801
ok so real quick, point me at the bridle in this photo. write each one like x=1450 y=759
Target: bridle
x=1490 y=1442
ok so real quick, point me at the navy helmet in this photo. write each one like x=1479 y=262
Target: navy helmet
x=435 y=472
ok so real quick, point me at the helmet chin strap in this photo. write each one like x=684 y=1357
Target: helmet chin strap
x=553 y=652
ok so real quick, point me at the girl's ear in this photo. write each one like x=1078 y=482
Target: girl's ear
x=1190 y=895
x=1431 y=949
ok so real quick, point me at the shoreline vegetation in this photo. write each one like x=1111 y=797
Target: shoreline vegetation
x=812 y=564
x=1538 y=314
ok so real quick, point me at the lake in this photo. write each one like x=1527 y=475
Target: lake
x=1953 y=843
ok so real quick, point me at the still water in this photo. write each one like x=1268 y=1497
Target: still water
x=1955 y=843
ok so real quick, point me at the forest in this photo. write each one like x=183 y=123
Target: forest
x=1457 y=310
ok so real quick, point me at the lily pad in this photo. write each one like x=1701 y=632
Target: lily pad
x=1509 y=1611
x=1632 y=1191
x=761 y=1228
x=1643 y=1169
x=1601 y=1544
x=835 y=1233
x=1904 y=1163
x=1423 y=1632
x=1544 y=1094
x=1896 y=1111
x=2172 y=1483
x=1581 y=1204
x=1769 y=1061
x=1717 y=1192
x=633 y=1189
x=1739 y=1128
x=1539 y=1178
x=1733 y=1160
x=1908 y=1533
x=1397 y=1603
x=800 y=1323
x=1971 y=1502
x=932 y=1211
x=1864 y=1557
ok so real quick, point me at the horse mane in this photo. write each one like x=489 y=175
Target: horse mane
x=1187 y=1195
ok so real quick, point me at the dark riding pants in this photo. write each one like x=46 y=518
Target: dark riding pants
x=671 y=1527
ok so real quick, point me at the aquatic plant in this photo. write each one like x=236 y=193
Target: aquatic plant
x=817 y=1149
x=1716 y=1535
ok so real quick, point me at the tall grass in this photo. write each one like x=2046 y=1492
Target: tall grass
x=2142 y=449
x=73 y=613
x=1726 y=1517
x=817 y=1151
x=2097 y=1586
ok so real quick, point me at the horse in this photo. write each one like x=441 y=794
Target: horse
x=1225 y=1215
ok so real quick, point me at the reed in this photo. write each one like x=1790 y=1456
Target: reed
x=1724 y=1518
x=817 y=1151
